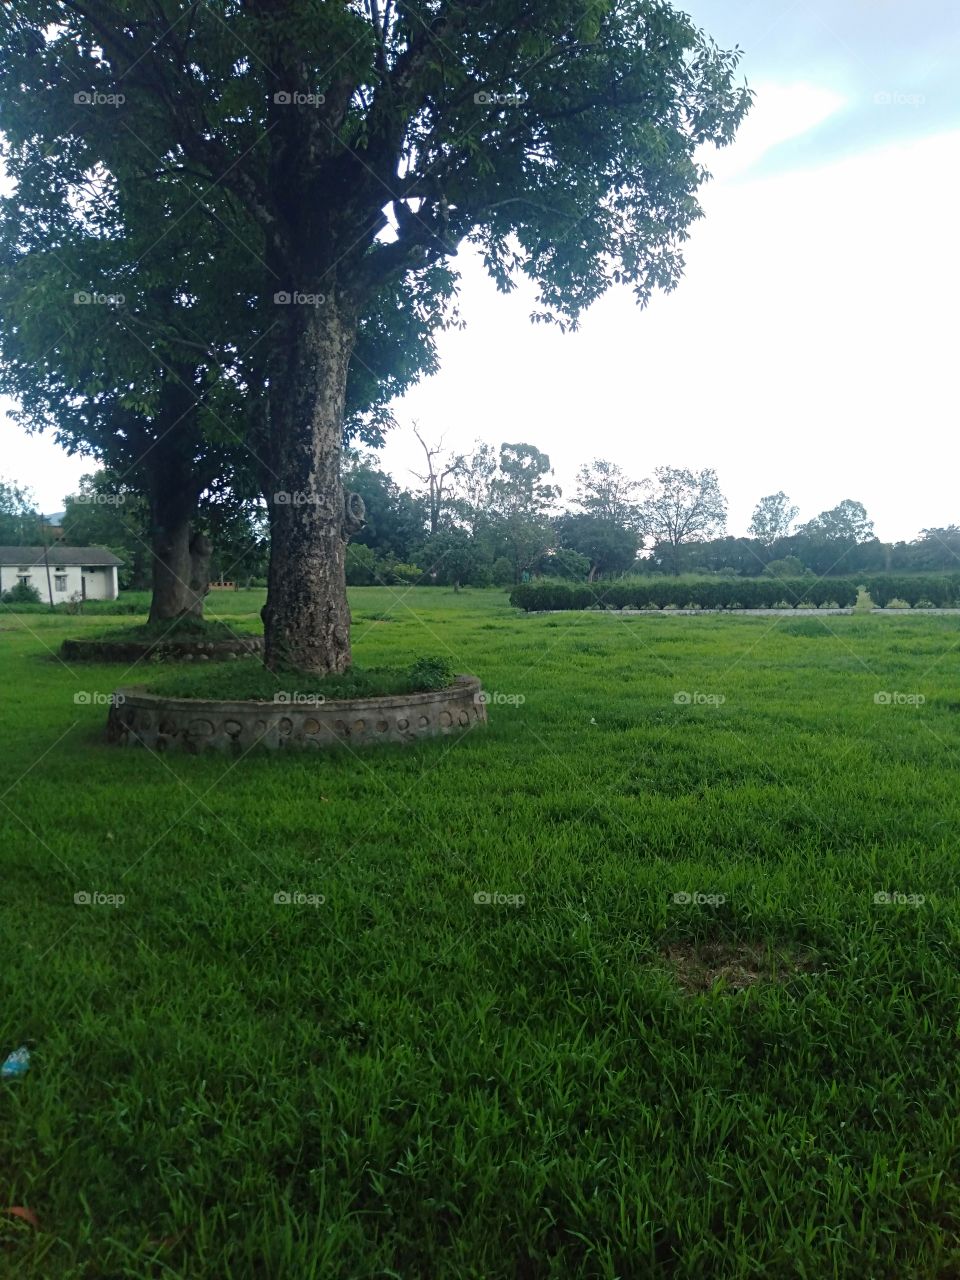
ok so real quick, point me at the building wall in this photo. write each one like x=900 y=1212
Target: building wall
x=101 y=583
x=66 y=580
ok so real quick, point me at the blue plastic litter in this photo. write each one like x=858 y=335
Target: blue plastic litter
x=16 y=1064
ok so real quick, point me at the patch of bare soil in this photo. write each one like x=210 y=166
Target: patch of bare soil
x=732 y=967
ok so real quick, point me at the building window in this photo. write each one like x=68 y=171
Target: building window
x=60 y=581
x=89 y=569
x=23 y=577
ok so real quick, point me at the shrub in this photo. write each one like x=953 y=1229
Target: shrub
x=22 y=593
x=788 y=567
x=431 y=673
x=618 y=595
x=678 y=593
x=361 y=565
x=406 y=573
x=566 y=564
x=707 y=594
x=502 y=572
x=940 y=590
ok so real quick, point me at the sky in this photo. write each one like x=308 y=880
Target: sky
x=811 y=344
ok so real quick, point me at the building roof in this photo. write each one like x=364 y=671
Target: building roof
x=59 y=556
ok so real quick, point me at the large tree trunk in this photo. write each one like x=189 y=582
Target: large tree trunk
x=181 y=565
x=171 y=566
x=181 y=570
x=180 y=560
x=201 y=552
x=306 y=617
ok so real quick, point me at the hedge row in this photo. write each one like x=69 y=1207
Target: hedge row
x=941 y=591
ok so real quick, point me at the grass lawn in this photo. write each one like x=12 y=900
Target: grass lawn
x=682 y=1039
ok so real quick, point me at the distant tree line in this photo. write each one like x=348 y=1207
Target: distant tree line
x=494 y=516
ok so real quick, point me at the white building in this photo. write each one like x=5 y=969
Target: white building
x=80 y=573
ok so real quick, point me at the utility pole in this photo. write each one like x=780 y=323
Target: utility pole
x=46 y=556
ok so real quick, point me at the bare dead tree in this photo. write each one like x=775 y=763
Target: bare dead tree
x=440 y=469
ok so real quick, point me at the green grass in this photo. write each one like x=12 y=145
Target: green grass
x=595 y=1081
x=186 y=628
x=251 y=680
x=130 y=602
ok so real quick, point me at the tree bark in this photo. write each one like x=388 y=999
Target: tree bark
x=171 y=566
x=173 y=489
x=306 y=617
x=201 y=551
x=181 y=568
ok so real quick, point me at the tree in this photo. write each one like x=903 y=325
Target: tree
x=836 y=541
x=788 y=567
x=471 y=487
x=605 y=491
x=119 y=356
x=562 y=141
x=165 y=378
x=519 y=486
x=744 y=556
x=562 y=563
x=937 y=548
x=520 y=539
x=846 y=522
x=440 y=471
x=516 y=523
x=772 y=518
x=451 y=557
x=588 y=178
x=683 y=506
x=608 y=546
x=394 y=519
x=19 y=519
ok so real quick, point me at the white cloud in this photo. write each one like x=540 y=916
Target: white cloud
x=780 y=113
x=809 y=347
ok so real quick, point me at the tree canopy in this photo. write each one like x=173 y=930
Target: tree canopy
x=342 y=153
x=684 y=506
